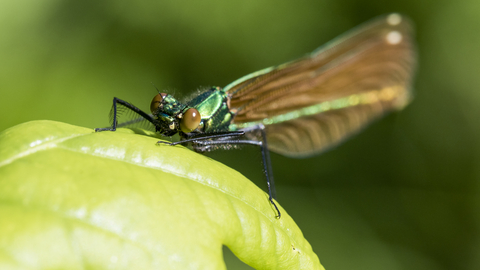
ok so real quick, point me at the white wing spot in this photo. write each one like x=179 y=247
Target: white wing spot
x=394 y=37
x=394 y=19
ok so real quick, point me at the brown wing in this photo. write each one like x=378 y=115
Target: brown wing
x=315 y=102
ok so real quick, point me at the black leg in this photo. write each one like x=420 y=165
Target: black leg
x=209 y=136
x=267 y=167
x=128 y=106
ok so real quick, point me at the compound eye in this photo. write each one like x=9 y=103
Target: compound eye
x=156 y=102
x=190 y=120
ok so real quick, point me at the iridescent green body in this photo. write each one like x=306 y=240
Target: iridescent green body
x=213 y=108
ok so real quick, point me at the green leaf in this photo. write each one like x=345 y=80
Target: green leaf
x=71 y=198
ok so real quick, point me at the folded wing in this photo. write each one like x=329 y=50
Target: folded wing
x=314 y=103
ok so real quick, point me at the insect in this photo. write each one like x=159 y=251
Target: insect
x=297 y=109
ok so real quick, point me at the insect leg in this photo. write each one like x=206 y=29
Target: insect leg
x=209 y=136
x=267 y=167
x=129 y=106
x=221 y=138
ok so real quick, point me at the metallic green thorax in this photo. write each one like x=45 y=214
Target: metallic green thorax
x=211 y=104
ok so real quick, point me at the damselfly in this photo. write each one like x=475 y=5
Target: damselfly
x=297 y=109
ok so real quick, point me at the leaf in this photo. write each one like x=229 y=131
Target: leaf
x=71 y=198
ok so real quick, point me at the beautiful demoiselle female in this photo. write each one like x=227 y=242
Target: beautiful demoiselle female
x=297 y=109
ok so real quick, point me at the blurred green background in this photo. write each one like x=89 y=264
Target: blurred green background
x=401 y=195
